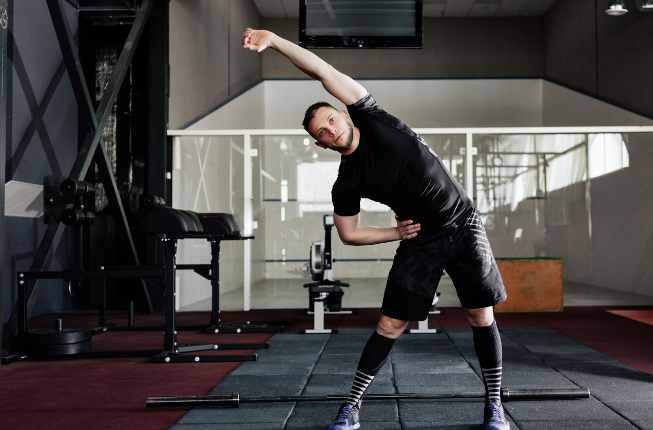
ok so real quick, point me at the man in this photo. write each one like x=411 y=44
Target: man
x=384 y=160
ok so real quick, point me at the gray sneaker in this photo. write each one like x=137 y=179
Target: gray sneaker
x=347 y=418
x=493 y=417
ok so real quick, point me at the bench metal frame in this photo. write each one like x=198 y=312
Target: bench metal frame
x=172 y=351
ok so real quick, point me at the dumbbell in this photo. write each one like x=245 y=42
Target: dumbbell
x=152 y=201
x=73 y=217
x=75 y=188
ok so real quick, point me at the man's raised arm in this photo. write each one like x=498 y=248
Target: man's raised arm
x=339 y=85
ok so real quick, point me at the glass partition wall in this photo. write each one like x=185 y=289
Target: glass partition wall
x=535 y=189
x=208 y=176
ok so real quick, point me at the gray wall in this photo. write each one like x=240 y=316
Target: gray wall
x=207 y=62
x=620 y=251
x=42 y=140
x=609 y=57
x=453 y=48
x=622 y=225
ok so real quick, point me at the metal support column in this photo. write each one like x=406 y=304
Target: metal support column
x=215 y=283
x=170 y=334
x=469 y=162
x=158 y=92
x=588 y=206
x=4 y=23
x=247 y=223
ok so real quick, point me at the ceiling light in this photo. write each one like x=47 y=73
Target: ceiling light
x=645 y=5
x=616 y=8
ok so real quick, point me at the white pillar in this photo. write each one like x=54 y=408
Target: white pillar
x=469 y=162
x=247 y=228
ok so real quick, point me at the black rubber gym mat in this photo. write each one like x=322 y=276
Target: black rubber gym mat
x=537 y=357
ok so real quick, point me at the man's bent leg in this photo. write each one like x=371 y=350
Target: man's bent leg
x=376 y=352
x=487 y=343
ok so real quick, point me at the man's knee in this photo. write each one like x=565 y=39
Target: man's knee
x=390 y=327
x=482 y=317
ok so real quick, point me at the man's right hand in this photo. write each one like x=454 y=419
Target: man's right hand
x=406 y=229
x=257 y=40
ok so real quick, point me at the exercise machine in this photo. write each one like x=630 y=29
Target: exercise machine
x=423 y=326
x=221 y=226
x=324 y=295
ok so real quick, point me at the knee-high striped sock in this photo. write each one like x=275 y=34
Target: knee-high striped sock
x=487 y=343
x=376 y=352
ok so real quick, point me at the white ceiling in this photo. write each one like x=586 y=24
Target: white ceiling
x=432 y=8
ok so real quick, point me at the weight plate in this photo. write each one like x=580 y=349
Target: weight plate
x=57 y=350
x=49 y=336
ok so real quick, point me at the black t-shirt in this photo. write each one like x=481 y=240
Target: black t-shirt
x=394 y=166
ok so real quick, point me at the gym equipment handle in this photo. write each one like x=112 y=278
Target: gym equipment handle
x=542 y=394
x=75 y=188
x=72 y=217
x=234 y=400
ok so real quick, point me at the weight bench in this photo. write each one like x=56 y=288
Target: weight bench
x=165 y=227
x=214 y=227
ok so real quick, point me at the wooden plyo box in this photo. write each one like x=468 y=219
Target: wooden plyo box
x=532 y=285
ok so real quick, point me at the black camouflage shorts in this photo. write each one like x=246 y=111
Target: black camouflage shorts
x=463 y=250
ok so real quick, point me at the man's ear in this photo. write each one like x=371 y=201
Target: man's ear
x=346 y=116
x=320 y=145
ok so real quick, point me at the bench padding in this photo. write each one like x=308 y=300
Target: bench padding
x=167 y=220
x=171 y=221
x=219 y=224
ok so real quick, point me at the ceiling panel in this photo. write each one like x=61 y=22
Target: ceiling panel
x=458 y=8
x=291 y=7
x=511 y=7
x=434 y=9
x=482 y=10
x=270 y=8
x=537 y=7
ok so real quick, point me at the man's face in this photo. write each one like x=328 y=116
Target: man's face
x=332 y=129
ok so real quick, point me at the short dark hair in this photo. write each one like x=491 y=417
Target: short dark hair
x=310 y=114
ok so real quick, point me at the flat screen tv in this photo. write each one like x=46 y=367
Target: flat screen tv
x=360 y=23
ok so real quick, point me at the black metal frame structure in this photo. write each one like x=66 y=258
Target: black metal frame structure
x=3 y=144
x=92 y=150
x=172 y=352
x=212 y=273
